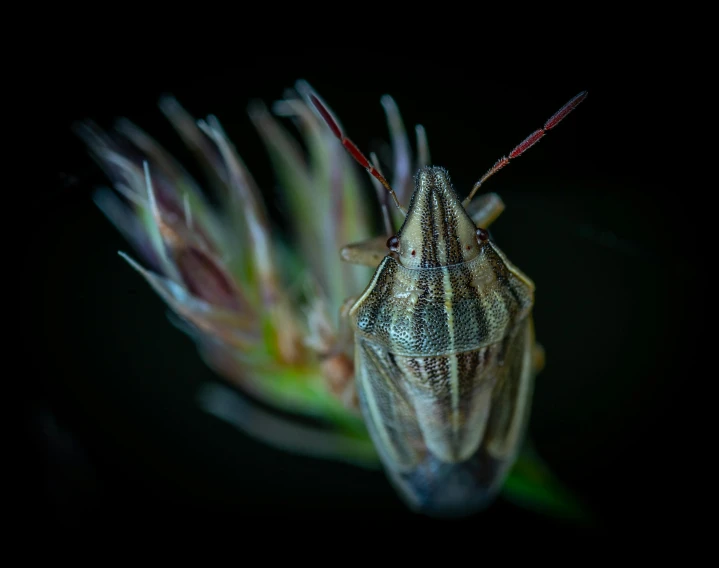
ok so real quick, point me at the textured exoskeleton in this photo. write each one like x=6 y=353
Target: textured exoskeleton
x=443 y=355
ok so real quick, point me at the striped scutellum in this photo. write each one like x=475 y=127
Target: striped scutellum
x=444 y=347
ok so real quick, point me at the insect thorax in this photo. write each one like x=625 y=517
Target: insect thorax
x=438 y=311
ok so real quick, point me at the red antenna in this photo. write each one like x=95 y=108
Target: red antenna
x=530 y=141
x=352 y=148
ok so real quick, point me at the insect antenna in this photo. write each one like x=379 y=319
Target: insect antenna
x=352 y=148
x=528 y=142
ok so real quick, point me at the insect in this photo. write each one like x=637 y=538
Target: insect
x=444 y=347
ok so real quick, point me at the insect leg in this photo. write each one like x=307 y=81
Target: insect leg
x=485 y=209
x=538 y=358
x=538 y=355
x=345 y=334
x=367 y=253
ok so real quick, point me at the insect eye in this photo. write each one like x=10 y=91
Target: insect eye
x=393 y=244
x=482 y=235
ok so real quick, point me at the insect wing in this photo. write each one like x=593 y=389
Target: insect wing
x=389 y=414
x=405 y=424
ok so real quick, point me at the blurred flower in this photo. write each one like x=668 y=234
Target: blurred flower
x=262 y=304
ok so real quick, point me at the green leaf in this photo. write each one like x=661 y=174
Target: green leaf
x=532 y=485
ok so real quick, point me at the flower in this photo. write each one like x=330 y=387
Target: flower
x=263 y=304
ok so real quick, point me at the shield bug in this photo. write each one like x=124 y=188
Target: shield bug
x=444 y=346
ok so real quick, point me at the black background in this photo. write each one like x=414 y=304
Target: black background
x=114 y=427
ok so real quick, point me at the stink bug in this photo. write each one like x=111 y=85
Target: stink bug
x=444 y=348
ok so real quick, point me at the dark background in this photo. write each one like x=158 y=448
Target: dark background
x=112 y=420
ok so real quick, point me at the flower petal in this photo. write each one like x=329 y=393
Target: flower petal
x=205 y=151
x=126 y=221
x=401 y=151
x=176 y=190
x=335 y=198
x=248 y=200
x=234 y=328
